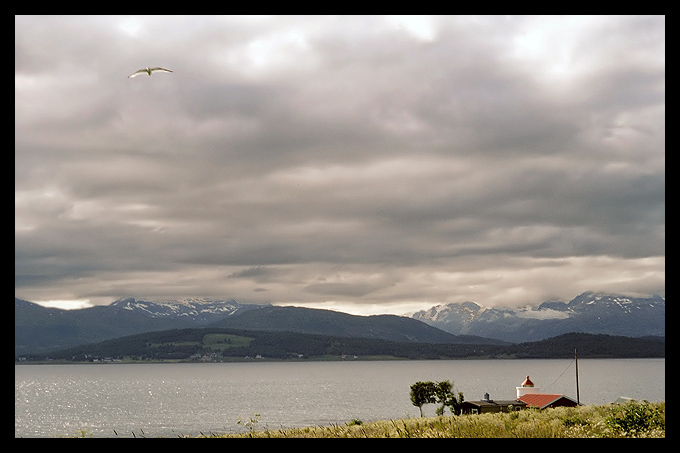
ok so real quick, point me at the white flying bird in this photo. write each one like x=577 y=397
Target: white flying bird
x=147 y=71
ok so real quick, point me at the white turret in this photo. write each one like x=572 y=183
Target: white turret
x=526 y=387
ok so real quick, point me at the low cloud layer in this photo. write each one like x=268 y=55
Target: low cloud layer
x=370 y=164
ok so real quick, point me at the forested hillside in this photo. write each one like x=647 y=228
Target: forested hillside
x=217 y=344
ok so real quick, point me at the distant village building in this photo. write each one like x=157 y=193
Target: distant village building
x=528 y=395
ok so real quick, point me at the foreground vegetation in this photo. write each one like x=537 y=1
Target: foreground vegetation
x=632 y=419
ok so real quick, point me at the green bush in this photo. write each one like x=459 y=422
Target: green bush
x=635 y=417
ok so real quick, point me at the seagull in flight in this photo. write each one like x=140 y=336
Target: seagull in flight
x=147 y=71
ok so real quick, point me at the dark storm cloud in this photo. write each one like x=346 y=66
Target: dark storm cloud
x=378 y=163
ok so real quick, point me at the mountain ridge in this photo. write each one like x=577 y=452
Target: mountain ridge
x=334 y=323
x=42 y=329
x=589 y=312
x=39 y=328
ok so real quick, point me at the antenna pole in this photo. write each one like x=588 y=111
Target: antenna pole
x=577 y=393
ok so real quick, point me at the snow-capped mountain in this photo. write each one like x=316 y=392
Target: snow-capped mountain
x=40 y=328
x=194 y=309
x=588 y=313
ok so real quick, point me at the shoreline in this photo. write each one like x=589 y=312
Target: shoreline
x=633 y=419
x=309 y=359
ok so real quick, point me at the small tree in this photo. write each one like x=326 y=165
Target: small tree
x=445 y=397
x=436 y=392
x=423 y=393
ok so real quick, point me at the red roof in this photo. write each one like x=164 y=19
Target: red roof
x=543 y=400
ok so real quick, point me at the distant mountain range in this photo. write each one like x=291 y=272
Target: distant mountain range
x=38 y=329
x=588 y=313
x=333 y=323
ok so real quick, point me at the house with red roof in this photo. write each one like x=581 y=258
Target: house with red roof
x=546 y=400
x=528 y=395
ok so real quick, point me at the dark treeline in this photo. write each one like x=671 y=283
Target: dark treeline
x=181 y=344
x=591 y=346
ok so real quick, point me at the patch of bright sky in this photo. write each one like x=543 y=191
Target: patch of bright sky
x=405 y=308
x=131 y=25
x=66 y=304
x=421 y=27
x=548 y=42
x=277 y=51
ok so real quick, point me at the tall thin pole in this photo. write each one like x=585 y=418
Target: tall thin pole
x=578 y=401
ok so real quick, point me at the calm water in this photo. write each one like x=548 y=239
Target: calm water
x=172 y=399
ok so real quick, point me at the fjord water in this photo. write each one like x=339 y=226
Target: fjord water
x=187 y=399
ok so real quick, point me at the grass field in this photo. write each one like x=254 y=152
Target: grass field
x=219 y=341
x=215 y=341
x=634 y=419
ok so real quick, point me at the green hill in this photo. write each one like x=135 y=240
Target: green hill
x=233 y=344
x=40 y=329
x=334 y=323
x=592 y=346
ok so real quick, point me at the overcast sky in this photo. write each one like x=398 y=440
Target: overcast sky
x=367 y=164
